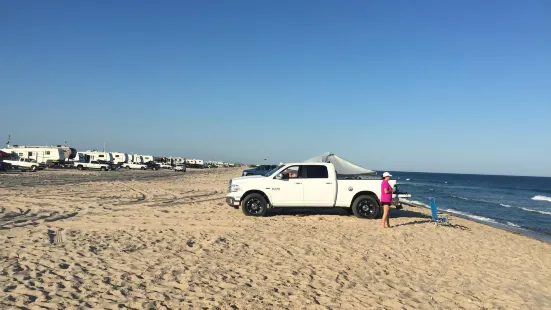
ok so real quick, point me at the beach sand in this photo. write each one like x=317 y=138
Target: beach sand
x=142 y=239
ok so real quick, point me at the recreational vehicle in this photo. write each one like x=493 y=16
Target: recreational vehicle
x=147 y=158
x=47 y=155
x=95 y=155
x=136 y=159
x=119 y=158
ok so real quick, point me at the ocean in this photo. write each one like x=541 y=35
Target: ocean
x=521 y=204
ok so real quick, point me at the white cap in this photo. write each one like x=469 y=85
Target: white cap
x=386 y=174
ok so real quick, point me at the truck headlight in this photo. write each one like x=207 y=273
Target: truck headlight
x=235 y=188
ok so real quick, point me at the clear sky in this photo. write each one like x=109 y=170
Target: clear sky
x=439 y=86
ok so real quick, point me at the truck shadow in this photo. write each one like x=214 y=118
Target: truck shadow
x=306 y=211
x=394 y=213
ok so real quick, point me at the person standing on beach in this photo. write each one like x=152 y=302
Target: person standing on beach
x=386 y=198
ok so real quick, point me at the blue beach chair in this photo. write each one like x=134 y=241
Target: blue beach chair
x=434 y=213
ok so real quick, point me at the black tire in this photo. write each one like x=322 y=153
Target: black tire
x=103 y=169
x=366 y=207
x=254 y=205
x=33 y=168
x=142 y=168
x=80 y=167
x=128 y=167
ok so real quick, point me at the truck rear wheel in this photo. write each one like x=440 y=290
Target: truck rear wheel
x=366 y=207
x=103 y=169
x=79 y=167
x=254 y=205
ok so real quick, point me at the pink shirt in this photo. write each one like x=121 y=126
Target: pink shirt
x=386 y=197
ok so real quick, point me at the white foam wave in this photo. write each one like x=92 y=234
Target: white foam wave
x=512 y=224
x=536 y=211
x=542 y=198
x=460 y=197
x=504 y=205
x=415 y=202
x=472 y=216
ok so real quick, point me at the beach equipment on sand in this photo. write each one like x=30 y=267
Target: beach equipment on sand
x=434 y=213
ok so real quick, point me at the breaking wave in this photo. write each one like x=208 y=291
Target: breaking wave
x=472 y=216
x=541 y=198
x=506 y=206
x=536 y=211
x=512 y=224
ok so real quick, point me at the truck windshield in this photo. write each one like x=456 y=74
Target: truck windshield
x=269 y=173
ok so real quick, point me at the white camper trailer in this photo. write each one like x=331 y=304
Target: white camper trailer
x=47 y=155
x=95 y=155
x=135 y=158
x=119 y=158
x=147 y=158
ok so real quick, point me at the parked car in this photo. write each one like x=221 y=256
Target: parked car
x=165 y=166
x=134 y=166
x=94 y=165
x=305 y=185
x=112 y=166
x=25 y=163
x=180 y=168
x=152 y=165
x=259 y=170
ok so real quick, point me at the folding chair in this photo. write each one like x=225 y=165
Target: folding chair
x=434 y=213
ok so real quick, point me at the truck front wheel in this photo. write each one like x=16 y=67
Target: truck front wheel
x=33 y=168
x=80 y=167
x=254 y=205
x=365 y=207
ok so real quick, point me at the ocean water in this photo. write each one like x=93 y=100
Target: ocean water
x=520 y=203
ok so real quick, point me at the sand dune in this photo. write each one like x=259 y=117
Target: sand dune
x=168 y=241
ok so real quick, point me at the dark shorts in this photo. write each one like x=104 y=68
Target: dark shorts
x=386 y=203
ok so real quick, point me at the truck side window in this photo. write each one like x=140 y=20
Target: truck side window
x=292 y=172
x=316 y=172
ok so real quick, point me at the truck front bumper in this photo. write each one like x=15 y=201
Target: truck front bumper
x=233 y=201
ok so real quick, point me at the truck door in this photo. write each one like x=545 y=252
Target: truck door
x=318 y=189
x=288 y=191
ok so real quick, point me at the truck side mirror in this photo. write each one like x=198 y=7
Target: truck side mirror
x=279 y=176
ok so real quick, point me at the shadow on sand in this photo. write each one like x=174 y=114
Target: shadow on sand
x=394 y=213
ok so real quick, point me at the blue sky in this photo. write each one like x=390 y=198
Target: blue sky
x=437 y=86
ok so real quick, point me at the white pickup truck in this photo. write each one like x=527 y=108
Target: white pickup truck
x=134 y=166
x=92 y=165
x=25 y=163
x=305 y=185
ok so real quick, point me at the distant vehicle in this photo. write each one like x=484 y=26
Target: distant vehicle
x=25 y=163
x=48 y=155
x=94 y=155
x=112 y=166
x=165 y=166
x=259 y=170
x=119 y=158
x=152 y=165
x=180 y=168
x=92 y=164
x=134 y=166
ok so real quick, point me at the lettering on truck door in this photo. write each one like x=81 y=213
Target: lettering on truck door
x=318 y=189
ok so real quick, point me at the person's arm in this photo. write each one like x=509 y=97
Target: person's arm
x=387 y=190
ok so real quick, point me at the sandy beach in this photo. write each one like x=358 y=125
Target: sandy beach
x=163 y=240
